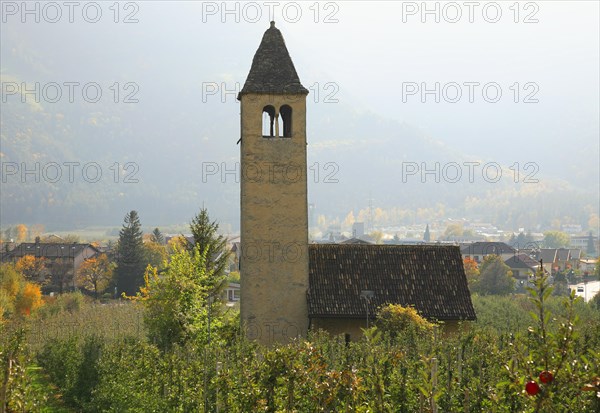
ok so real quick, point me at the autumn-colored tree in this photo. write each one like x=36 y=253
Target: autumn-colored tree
x=156 y=254
x=471 y=271
x=10 y=283
x=31 y=267
x=395 y=319
x=454 y=230
x=377 y=236
x=95 y=274
x=16 y=294
x=21 y=231
x=176 y=243
x=29 y=299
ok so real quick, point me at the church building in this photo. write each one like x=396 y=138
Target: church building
x=289 y=286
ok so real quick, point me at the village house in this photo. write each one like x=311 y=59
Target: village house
x=62 y=257
x=477 y=251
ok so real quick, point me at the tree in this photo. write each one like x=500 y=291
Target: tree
x=395 y=319
x=377 y=236
x=471 y=271
x=61 y=274
x=31 y=267
x=207 y=239
x=556 y=239
x=21 y=231
x=156 y=253
x=591 y=248
x=427 y=235
x=495 y=277
x=157 y=237
x=522 y=241
x=36 y=230
x=454 y=230
x=95 y=274
x=8 y=234
x=131 y=264
x=17 y=295
x=178 y=303
x=29 y=299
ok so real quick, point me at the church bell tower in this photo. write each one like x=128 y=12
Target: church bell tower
x=274 y=210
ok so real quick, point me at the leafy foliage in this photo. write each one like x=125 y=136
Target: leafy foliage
x=31 y=267
x=556 y=239
x=17 y=296
x=95 y=274
x=495 y=277
x=177 y=304
x=395 y=319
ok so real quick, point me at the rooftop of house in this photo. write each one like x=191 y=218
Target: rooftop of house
x=355 y=241
x=429 y=277
x=486 y=248
x=272 y=69
x=522 y=261
x=50 y=250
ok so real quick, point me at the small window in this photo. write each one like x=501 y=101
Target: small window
x=286 y=115
x=268 y=122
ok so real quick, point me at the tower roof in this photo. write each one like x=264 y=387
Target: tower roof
x=272 y=68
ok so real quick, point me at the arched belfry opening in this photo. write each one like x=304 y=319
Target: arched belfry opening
x=268 y=122
x=286 y=115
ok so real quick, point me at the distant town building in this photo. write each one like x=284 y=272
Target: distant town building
x=477 y=251
x=358 y=229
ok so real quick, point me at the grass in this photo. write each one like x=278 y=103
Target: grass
x=114 y=320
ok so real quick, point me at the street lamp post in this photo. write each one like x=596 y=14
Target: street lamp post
x=367 y=295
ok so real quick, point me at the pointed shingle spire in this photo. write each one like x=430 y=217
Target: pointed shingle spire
x=272 y=68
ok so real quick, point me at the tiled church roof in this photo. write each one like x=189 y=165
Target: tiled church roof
x=429 y=277
x=272 y=69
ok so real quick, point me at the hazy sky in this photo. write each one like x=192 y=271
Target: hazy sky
x=377 y=56
x=516 y=81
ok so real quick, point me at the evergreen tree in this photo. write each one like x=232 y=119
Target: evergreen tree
x=131 y=261
x=206 y=238
x=213 y=247
x=427 y=236
x=157 y=237
x=591 y=249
